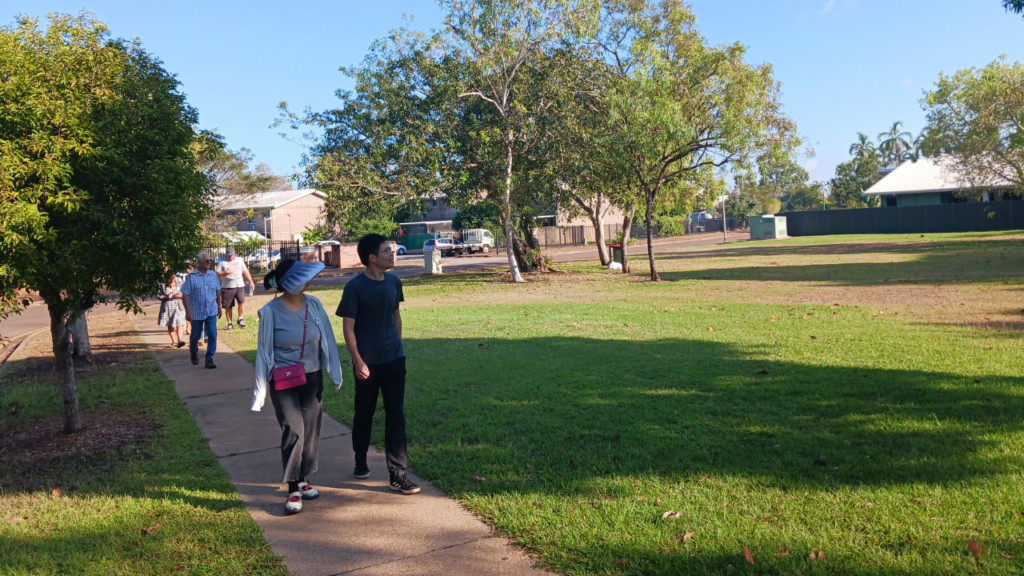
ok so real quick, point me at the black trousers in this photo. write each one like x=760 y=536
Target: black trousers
x=299 y=413
x=389 y=380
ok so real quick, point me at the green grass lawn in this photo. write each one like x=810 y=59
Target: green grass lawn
x=147 y=496
x=571 y=413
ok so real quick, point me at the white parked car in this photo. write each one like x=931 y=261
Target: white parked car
x=400 y=249
x=447 y=246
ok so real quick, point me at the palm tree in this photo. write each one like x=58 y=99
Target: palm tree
x=893 y=143
x=864 y=148
x=915 y=152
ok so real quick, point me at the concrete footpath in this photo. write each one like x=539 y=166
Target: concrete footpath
x=356 y=527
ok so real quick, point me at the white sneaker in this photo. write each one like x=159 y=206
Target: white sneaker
x=230 y=326
x=308 y=492
x=293 y=505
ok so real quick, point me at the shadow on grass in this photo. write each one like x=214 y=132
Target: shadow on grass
x=932 y=262
x=578 y=408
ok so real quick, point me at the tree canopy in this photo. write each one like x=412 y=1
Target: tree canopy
x=976 y=116
x=101 y=187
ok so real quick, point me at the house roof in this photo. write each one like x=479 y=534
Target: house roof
x=925 y=175
x=271 y=200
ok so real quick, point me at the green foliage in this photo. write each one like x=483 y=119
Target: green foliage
x=1014 y=6
x=315 y=233
x=852 y=179
x=101 y=189
x=483 y=214
x=678 y=106
x=976 y=117
x=894 y=145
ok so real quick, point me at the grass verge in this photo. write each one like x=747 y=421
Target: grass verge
x=139 y=492
x=572 y=423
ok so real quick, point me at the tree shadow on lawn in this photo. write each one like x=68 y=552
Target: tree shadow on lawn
x=578 y=408
x=969 y=261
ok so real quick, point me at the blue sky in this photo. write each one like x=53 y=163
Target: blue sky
x=845 y=65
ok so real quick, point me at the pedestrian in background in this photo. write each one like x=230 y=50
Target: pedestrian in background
x=294 y=343
x=202 y=308
x=172 y=312
x=234 y=275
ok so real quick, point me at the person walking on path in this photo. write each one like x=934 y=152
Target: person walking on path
x=295 y=341
x=172 y=312
x=373 y=335
x=202 y=308
x=182 y=277
x=234 y=275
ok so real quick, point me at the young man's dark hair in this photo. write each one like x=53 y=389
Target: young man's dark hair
x=373 y=335
x=369 y=244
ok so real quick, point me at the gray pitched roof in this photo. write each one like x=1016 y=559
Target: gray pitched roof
x=274 y=199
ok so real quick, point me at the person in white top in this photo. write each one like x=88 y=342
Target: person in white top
x=234 y=275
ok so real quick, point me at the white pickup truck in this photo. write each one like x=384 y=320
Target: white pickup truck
x=477 y=240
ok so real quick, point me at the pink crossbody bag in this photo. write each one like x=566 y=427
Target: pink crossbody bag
x=287 y=377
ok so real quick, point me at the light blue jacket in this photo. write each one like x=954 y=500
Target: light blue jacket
x=265 y=348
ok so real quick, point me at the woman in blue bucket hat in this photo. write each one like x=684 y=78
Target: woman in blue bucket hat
x=295 y=342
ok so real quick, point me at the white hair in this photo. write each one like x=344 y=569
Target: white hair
x=200 y=256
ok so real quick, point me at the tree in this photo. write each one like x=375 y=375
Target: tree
x=894 y=144
x=976 y=117
x=852 y=179
x=1014 y=6
x=101 y=190
x=501 y=39
x=863 y=147
x=677 y=105
x=234 y=178
x=483 y=214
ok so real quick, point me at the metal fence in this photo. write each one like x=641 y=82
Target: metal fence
x=956 y=217
x=259 y=256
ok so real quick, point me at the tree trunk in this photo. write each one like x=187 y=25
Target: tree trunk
x=627 y=231
x=506 y=207
x=650 y=246
x=60 y=334
x=602 y=248
x=80 y=338
x=520 y=248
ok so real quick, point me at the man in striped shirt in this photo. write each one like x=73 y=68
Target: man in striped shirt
x=201 y=296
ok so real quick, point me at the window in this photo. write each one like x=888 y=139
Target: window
x=251 y=220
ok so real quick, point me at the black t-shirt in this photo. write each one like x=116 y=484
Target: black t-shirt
x=372 y=304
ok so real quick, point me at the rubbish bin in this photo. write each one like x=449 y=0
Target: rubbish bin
x=431 y=261
x=616 y=253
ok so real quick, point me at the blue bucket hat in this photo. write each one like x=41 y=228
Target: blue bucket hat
x=297 y=276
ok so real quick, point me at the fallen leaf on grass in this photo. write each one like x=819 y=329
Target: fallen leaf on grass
x=148 y=531
x=480 y=344
x=806 y=316
x=688 y=536
x=711 y=328
x=772 y=319
x=974 y=547
x=814 y=337
x=1005 y=555
x=748 y=555
x=817 y=555
x=784 y=553
x=869 y=505
x=179 y=566
x=55 y=492
x=703 y=478
x=478 y=477
x=528 y=467
x=670 y=515
x=657 y=502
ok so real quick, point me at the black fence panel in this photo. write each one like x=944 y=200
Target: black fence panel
x=956 y=217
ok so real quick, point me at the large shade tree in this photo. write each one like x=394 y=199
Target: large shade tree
x=100 y=185
x=976 y=117
x=678 y=105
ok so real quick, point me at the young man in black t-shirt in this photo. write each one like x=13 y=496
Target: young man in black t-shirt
x=373 y=335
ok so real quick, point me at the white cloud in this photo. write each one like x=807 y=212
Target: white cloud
x=828 y=6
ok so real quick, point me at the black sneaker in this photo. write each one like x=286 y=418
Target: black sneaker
x=362 y=470
x=404 y=485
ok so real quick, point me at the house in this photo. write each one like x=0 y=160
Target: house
x=436 y=219
x=927 y=181
x=277 y=215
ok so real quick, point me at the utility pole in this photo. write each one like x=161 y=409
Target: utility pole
x=725 y=221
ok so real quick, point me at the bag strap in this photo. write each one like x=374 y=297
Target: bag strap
x=304 y=324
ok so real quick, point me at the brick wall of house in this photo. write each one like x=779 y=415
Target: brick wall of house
x=304 y=213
